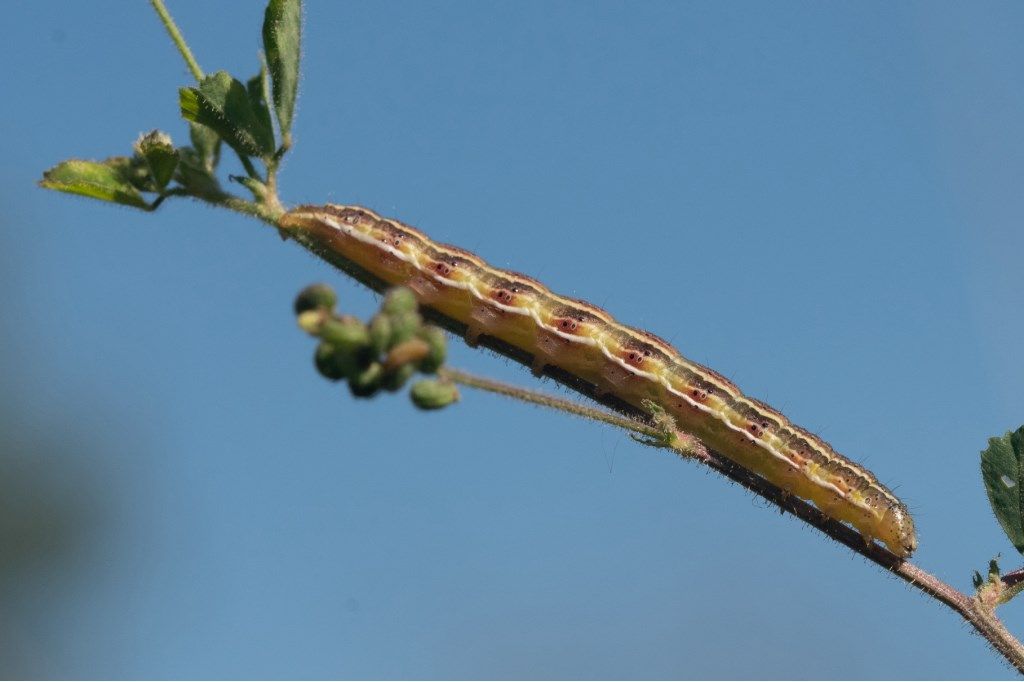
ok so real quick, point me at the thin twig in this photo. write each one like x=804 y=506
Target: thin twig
x=179 y=40
x=980 y=615
x=973 y=609
x=546 y=400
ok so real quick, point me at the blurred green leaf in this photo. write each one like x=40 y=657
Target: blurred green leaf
x=108 y=180
x=206 y=143
x=1001 y=472
x=222 y=103
x=282 y=37
x=160 y=156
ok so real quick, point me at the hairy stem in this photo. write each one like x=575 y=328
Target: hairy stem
x=979 y=614
x=179 y=40
x=546 y=400
x=267 y=211
x=972 y=609
x=267 y=214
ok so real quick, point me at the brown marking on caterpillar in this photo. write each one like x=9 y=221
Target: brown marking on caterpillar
x=632 y=364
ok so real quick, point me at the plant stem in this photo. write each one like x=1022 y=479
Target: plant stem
x=975 y=611
x=197 y=73
x=179 y=40
x=250 y=169
x=267 y=214
x=268 y=211
x=545 y=400
x=979 y=614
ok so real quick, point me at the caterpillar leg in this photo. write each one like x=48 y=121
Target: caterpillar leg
x=426 y=290
x=481 y=319
x=549 y=349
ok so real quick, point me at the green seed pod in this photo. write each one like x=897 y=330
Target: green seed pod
x=432 y=394
x=315 y=297
x=399 y=300
x=396 y=378
x=404 y=326
x=347 y=334
x=380 y=333
x=435 y=339
x=367 y=382
x=332 y=364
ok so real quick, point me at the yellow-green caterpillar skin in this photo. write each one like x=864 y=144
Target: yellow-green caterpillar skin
x=631 y=364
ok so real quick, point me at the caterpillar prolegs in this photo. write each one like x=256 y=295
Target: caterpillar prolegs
x=629 y=363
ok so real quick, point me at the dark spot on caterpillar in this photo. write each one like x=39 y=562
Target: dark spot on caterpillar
x=759 y=428
x=636 y=357
x=699 y=394
x=351 y=216
x=567 y=324
x=442 y=268
x=503 y=296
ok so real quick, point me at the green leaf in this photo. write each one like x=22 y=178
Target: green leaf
x=258 y=99
x=257 y=188
x=222 y=103
x=206 y=143
x=282 y=37
x=1001 y=472
x=135 y=170
x=107 y=180
x=193 y=175
x=160 y=156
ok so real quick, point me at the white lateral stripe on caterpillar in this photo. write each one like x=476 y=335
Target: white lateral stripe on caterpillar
x=629 y=363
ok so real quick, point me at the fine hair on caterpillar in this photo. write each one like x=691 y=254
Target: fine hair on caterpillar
x=633 y=365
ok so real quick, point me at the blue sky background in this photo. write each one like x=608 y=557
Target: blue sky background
x=821 y=201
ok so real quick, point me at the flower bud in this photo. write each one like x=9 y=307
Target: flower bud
x=435 y=339
x=310 y=321
x=347 y=334
x=396 y=378
x=367 y=382
x=404 y=326
x=315 y=297
x=332 y=364
x=406 y=353
x=380 y=333
x=399 y=300
x=432 y=394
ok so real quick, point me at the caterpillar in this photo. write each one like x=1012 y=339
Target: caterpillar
x=633 y=365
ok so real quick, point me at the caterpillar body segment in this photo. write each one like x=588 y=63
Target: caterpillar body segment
x=631 y=364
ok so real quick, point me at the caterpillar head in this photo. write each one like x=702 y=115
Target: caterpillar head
x=903 y=539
